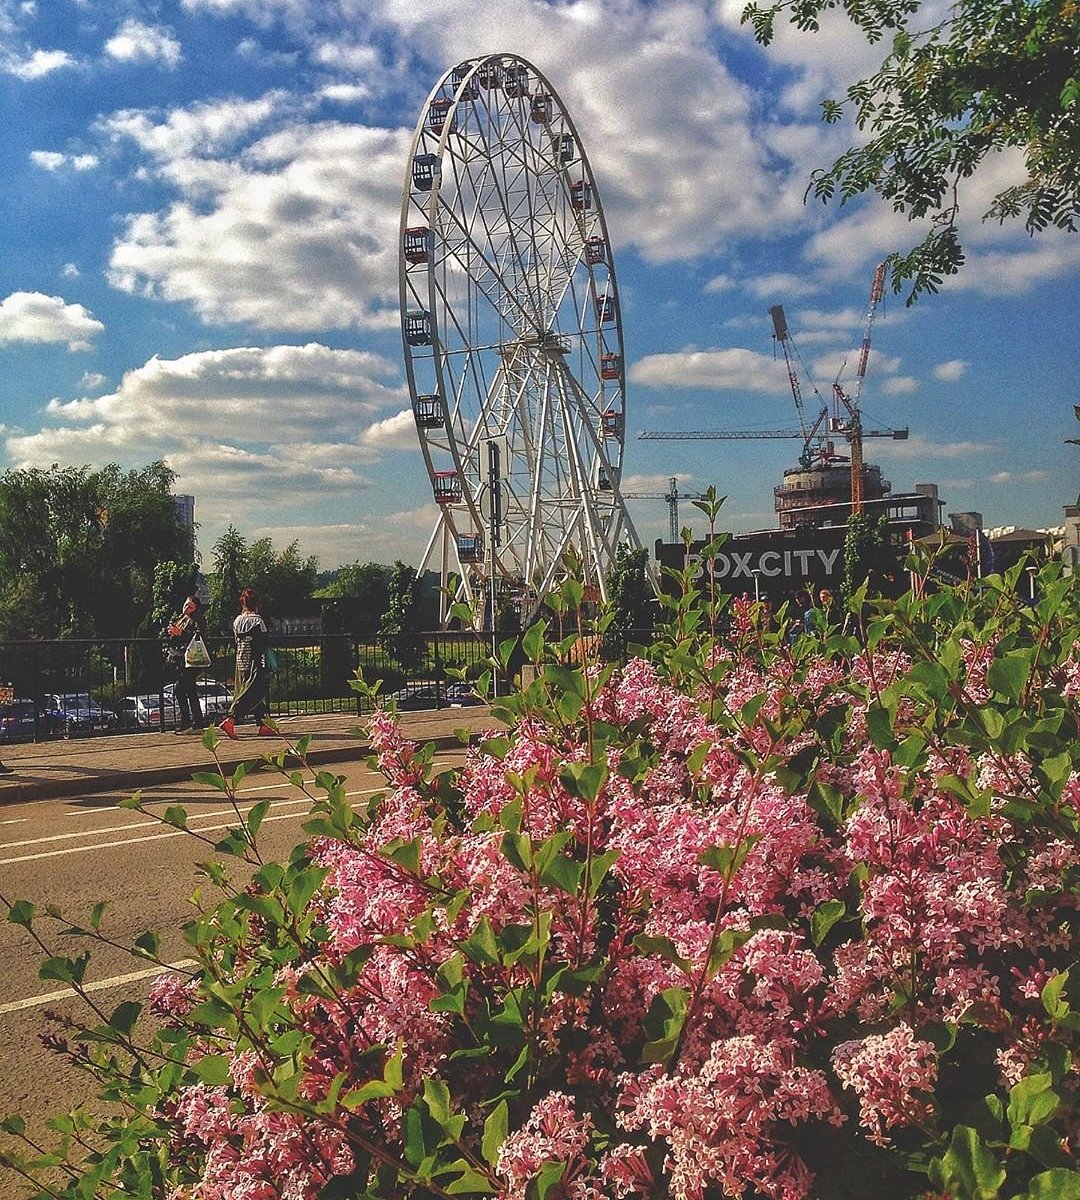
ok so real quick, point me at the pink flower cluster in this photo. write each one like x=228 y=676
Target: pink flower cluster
x=893 y=1074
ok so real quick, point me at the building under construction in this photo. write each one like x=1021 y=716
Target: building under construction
x=817 y=497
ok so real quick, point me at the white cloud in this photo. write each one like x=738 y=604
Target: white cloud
x=53 y=160
x=296 y=231
x=92 y=380
x=255 y=433
x=840 y=365
x=900 y=385
x=38 y=64
x=922 y=447
x=781 y=286
x=1010 y=272
x=136 y=41
x=394 y=433
x=257 y=395
x=34 y=317
x=71 y=271
x=48 y=160
x=344 y=93
x=951 y=371
x=1035 y=476
x=712 y=369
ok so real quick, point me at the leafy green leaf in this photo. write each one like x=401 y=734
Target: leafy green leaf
x=824 y=917
x=495 y=1131
x=1058 y=1184
x=663 y=1024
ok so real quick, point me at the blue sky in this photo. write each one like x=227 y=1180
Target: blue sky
x=198 y=259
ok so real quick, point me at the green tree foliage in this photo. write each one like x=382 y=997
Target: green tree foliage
x=989 y=75
x=227 y=579
x=283 y=580
x=79 y=548
x=869 y=555
x=631 y=597
x=398 y=627
x=360 y=592
x=173 y=583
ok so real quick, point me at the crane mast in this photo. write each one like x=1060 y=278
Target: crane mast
x=852 y=429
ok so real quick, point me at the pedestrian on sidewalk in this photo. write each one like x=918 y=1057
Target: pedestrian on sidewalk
x=190 y=624
x=252 y=681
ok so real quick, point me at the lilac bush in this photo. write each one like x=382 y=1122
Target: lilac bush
x=743 y=916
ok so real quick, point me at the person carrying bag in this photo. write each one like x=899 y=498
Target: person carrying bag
x=186 y=655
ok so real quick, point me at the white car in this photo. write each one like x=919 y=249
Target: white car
x=147 y=712
x=214 y=697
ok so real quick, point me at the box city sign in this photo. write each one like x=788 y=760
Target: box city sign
x=787 y=566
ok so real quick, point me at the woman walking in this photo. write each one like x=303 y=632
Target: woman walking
x=190 y=624
x=252 y=677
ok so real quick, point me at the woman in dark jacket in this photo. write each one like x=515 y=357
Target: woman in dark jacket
x=190 y=622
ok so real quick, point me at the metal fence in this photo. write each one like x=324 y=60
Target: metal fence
x=72 y=687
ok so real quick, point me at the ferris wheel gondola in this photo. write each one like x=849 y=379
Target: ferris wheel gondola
x=512 y=334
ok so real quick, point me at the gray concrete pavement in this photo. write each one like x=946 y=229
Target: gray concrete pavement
x=95 y=764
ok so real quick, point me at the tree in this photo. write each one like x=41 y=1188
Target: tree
x=230 y=551
x=173 y=583
x=991 y=75
x=363 y=592
x=869 y=555
x=398 y=628
x=630 y=597
x=78 y=548
x=283 y=581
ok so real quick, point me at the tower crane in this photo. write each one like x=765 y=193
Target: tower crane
x=852 y=428
x=817 y=446
x=672 y=496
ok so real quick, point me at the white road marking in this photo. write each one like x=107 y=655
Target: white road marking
x=81 y=833
x=101 y=985
x=14 y=821
x=150 y=837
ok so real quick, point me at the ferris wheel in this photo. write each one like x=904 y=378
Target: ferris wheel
x=512 y=336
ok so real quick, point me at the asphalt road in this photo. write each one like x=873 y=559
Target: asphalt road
x=75 y=852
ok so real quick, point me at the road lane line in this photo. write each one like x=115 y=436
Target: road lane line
x=150 y=837
x=100 y=985
x=14 y=821
x=265 y=787
x=81 y=833
x=192 y=816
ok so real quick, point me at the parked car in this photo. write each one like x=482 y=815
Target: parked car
x=461 y=695
x=79 y=712
x=17 y=721
x=214 y=697
x=418 y=695
x=147 y=712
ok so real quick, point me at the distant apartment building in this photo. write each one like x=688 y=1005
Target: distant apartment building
x=185 y=514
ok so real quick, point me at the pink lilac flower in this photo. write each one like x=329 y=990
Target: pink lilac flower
x=626 y=1172
x=552 y=1133
x=173 y=996
x=724 y=1122
x=894 y=1076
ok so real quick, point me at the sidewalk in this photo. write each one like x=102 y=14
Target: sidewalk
x=84 y=766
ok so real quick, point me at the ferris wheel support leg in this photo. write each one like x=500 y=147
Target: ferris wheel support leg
x=534 y=494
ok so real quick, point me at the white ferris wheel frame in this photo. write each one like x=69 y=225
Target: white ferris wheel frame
x=512 y=335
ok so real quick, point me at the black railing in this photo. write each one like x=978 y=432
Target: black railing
x=77 y=687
